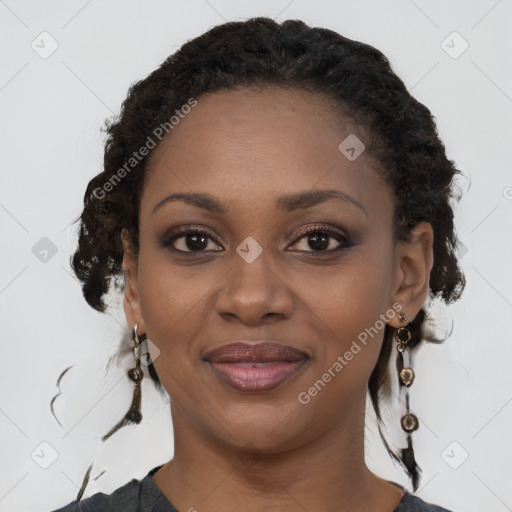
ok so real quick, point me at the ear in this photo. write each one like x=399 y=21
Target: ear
x=413 y=263
x=131 y=300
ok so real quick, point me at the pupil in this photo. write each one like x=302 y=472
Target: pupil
x=196 y=245
x=315 y=244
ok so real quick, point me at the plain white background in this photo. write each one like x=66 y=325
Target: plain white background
x=51 y=146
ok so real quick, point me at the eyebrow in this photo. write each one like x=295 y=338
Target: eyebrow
x=287 y=203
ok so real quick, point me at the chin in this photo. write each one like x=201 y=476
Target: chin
x=259 y=430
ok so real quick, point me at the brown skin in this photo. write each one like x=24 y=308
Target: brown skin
x=267 y=451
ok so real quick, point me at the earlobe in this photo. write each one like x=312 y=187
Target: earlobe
x=131 y=301
x=414 y=262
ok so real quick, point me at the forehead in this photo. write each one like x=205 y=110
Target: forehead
x=249 y=143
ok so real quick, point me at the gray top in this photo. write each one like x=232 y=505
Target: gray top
x=144 y=496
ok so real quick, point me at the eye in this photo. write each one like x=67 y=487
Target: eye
x=317 y=238
x=188 y=240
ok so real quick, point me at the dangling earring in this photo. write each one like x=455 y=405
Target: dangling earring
x=406 y=376
x=136 y=375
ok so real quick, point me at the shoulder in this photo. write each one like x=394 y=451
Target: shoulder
x=411 y=503
x=125 y=498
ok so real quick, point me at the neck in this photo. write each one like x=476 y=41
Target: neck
x=325 y=474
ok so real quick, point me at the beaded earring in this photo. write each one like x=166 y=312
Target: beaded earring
x=409 y=421
x=136 y=375
x=133 y=415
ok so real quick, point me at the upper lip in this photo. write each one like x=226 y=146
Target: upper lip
x=259 y=352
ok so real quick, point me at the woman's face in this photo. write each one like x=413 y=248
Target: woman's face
x=262 y=157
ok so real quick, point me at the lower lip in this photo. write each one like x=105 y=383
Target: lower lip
x=263 y=377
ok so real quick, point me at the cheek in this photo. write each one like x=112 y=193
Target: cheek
x=176 y=310
x=168 y=303
x=349 y=298
x=350 y=309
x=169 y=294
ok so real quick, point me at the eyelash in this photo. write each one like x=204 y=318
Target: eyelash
x=343 y=239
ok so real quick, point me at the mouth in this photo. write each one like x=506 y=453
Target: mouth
x=255 y=367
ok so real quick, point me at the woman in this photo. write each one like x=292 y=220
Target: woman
x=280 y=209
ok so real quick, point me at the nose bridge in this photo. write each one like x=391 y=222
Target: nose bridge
x=252 y=266
x=252 y=288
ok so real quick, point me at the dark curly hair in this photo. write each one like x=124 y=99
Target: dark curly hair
x=400 y=135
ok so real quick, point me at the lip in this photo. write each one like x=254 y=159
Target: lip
x=253 y=367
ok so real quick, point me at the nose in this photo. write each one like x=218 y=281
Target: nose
x=254 y=292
